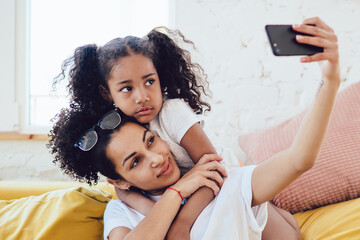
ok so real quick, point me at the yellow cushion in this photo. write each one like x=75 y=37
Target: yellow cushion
x=74 y=213
x=338 y=221
x=18 y=189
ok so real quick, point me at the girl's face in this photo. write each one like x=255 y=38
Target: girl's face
x=142 y=159
x=135 y=87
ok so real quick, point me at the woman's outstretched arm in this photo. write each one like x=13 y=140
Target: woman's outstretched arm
x=276 y=173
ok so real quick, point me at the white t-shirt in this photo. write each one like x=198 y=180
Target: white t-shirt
x=173 y=121
x=228 y=217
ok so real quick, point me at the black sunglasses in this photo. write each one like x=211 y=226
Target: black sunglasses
x=89 y=139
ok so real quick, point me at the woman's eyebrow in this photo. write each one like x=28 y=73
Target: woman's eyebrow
x=147 y=130
x=128 y=157
x=132 y=154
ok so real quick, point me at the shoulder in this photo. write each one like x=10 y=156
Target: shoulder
x=113 y=206
x=118 y=214
x=176 y=103
x=240 y=178
x=176 y=117
x=176 y=108
x=115 y=216
x=242 y=173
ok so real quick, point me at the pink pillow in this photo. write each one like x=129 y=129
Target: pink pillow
x=336 y=174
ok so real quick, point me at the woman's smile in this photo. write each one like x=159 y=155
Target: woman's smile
x=166 y=170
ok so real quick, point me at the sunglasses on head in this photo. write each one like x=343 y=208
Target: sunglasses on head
x=89 y=139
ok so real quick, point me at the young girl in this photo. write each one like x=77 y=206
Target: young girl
x=154 y=81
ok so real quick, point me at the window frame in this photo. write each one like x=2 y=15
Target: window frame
x=15 y=62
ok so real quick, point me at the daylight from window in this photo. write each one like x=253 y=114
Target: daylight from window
x=57 y=27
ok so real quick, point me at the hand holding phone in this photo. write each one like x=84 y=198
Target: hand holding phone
x=283 y=42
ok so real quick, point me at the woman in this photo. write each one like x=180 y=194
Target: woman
x=130 y=156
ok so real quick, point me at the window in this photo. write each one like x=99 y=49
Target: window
x=44 y=33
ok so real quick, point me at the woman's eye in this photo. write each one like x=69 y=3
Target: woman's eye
x=135 y=162
x=151 y=141
x=125 y=89
x=149 y=82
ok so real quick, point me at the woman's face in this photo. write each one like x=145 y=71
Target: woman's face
x=142 y=159
x=135 y=87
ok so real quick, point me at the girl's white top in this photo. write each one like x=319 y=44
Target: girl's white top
x=173 y=121
x=228 y=217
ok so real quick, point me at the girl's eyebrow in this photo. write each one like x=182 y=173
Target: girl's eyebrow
x=143 y=77
x=148 y=75
x=123 y=82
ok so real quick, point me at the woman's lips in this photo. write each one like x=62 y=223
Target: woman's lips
x=166 y=170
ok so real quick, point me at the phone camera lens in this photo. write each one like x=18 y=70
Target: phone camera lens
x=277 y=50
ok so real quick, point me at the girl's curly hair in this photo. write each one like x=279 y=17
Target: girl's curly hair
x=91 y=67
x=84 y=166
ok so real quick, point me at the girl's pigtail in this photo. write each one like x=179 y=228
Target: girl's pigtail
x=179 y=77
x=84 y=79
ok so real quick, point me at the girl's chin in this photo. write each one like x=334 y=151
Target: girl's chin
x=144 y=119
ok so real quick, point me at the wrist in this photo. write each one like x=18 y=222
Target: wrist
x=174 y=196
x=332 y=79
x=331 y=84
x=177 y=191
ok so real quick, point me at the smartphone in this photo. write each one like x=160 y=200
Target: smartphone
x=283 y=43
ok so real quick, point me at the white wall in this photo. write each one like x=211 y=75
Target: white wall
x=251 y=88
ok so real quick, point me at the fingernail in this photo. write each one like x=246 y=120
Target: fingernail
x=296 y=25
x=303 y=59
x=299 y=37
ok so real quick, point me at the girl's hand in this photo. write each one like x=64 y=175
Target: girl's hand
x=207 y=172
x=323 y=36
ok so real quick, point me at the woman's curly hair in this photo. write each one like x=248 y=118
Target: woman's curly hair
x=91 y=67
x=84 y=166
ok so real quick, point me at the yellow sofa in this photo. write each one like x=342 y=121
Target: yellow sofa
x=71 y=210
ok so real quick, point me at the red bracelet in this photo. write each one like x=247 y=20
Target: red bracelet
x=177 y=192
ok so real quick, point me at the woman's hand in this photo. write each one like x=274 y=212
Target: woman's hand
x=323 y=36
x=207 y=172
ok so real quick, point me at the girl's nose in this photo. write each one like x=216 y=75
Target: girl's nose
x=141 y=96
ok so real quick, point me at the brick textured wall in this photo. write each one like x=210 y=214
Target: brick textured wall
x=251 y=88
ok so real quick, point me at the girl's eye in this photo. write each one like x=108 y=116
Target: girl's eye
x=125 y=89
x=149 y=82
x=151 y=140
x=135 y=162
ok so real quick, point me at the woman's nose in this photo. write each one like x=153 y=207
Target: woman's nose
x=156 y=159
x=141 y=95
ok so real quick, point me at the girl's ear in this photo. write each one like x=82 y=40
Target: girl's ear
x=122 y=184
x=105 y=93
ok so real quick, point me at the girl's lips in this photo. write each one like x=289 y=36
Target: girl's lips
x=144 y=111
